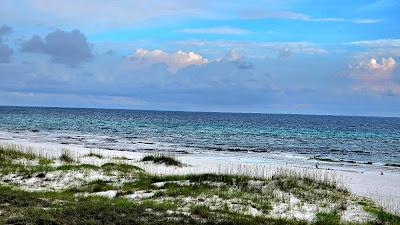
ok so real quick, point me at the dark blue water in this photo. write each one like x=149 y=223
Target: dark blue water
x=359 y=139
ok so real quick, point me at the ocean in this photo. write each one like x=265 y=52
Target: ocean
x=345 y=139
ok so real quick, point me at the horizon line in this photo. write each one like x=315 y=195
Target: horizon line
x=192 y=111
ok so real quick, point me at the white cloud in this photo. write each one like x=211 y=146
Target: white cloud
x=365 y=21
x=233 y=55
x=216 y=30
x=267 y=14
x=174 y=61
x=375 y=75
x=386 y=65
x=259 y=47
x=359 y=21
x=377 y=43
x=375 y=70
x=304 y=47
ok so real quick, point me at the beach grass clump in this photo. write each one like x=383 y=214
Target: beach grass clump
x=121 y=158
x=382 y=216
x=94 y=155
x=67 y=167
x=66 y=156
x=162 y=159
x=15 y=152
x=97 y=186
x=45 y=161
x=201 y=210
x=122 y=167
x=324 y=218
x=175 y=190
x=225 y=178
x=323 y=179
x=309 y=187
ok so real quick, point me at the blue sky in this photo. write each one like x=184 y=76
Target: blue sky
x=296 y=56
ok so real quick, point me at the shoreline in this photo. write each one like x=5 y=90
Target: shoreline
x=149 y=146
x=122 y=143
x=382 y=189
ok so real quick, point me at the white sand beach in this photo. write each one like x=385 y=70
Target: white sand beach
x=383 y=189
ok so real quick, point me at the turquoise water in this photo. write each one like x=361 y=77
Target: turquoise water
x=360 y=139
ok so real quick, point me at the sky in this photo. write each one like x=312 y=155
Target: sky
x=295 y=56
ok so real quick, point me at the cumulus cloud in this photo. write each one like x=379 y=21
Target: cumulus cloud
x=375 y=75
x=386 y=65
x=372 y=69
x=35 y=44
x=71 y=48
x=174 y=61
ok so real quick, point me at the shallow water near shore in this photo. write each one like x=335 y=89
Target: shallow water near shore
x=338 y=140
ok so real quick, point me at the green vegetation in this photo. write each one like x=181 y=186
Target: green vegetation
x=162 y=159
x=331 y=218
x=120 y=167
x=66 y=156
x=66 y=167
x=381 y=215
x=45 y=161
x=120 y=158
x=144 y=198
x=12 y=152
x=95 y=155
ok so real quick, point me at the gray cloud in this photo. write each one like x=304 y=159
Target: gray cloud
x=5 y=50
x=237 y=59
x=71 y=48
x=5 y=30
x=35 y=44
x=111 y=81
x=5 y=53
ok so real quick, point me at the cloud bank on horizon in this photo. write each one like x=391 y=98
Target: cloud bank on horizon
x=238 y=56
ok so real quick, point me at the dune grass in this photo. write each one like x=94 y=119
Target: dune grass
x=175 y=199
x=14 y=152
x=39 y=208
x=95 y=155
x=162 y=159
x=66 y=156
